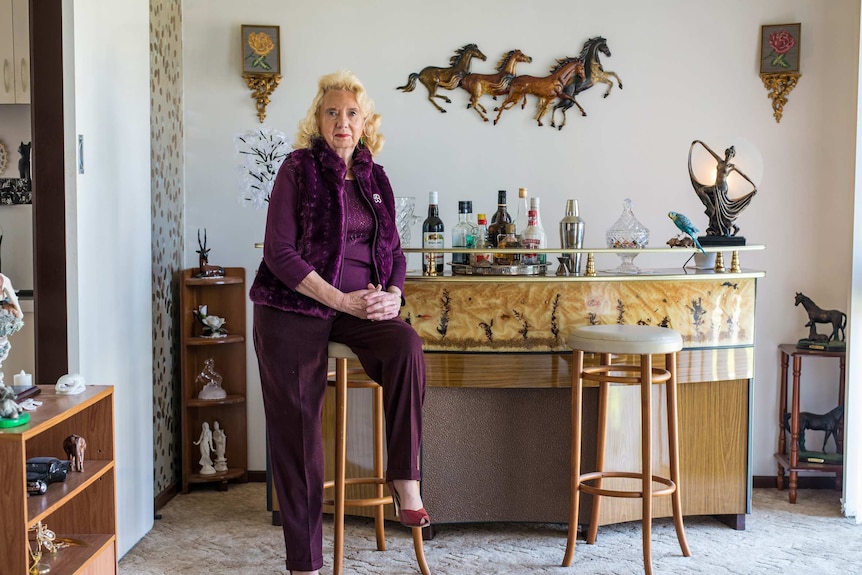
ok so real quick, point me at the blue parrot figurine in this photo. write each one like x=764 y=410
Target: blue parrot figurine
x=685 y=226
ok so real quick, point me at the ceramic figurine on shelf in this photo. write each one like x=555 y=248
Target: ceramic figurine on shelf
x=220 y=440
x=213 y=326
x=211 y=381
x=74 y=446
x=11 y=321
x=204 y=269
x=205 y=441
x=9 y=408
x=24 y=161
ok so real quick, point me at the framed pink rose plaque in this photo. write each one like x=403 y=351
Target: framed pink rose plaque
x=779 y=48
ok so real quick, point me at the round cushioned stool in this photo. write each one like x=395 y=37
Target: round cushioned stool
x=341 y=353
x=644 y=341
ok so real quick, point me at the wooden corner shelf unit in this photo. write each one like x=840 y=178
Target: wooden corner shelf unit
x=224 y=297
x=83 y=507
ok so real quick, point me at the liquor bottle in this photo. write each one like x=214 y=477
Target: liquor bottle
x=532 y=238
x=521 y=222
x=432 y=236
x=462 y=233
x=534 y=205
x=508 y=241
x=498 y=222
x=572 y=234
x=481 y=242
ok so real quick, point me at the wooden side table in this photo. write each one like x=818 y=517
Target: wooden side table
x=790 y=461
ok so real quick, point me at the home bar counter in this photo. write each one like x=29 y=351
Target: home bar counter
x=496 y=442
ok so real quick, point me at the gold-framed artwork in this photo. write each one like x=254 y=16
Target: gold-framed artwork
x=261 y=49
x=261 y=62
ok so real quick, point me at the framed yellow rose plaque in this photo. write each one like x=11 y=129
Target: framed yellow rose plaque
x=261 y=62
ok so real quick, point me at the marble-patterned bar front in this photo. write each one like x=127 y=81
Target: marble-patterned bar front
x=535 y=315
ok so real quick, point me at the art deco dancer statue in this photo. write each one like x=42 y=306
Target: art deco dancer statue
x=720 y=209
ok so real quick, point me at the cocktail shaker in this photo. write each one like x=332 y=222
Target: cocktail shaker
x=572 y=235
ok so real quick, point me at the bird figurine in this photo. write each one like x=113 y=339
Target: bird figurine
x=686 y=227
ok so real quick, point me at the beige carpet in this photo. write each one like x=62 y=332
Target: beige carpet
x=228 y=533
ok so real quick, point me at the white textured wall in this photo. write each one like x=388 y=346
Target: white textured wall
x=690 y=71
x=110 y=277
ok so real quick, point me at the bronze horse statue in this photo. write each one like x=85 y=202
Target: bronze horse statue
x=449 y=78
x=545 y=88
x=816 y=315
x=477 y=85
x=594 y=73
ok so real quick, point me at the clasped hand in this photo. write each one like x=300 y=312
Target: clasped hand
x=374 y=304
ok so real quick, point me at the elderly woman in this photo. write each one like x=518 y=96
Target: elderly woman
x=333 y=270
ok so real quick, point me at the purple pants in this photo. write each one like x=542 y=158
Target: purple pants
x=292 y=356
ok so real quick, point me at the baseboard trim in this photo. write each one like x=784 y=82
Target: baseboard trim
x=804 y=482
x=171 y=491
x=166 y=495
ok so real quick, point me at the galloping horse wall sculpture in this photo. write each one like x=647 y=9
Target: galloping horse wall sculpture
x=448 y=78
x=477 y=85
x=595 y=73
x=545 y=88
x=569 y=77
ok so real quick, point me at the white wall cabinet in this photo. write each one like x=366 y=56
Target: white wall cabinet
x=14 y=52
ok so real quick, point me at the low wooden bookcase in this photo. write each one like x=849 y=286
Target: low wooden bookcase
x=83 y=507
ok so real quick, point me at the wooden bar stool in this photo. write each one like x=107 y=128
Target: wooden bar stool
x=644 y=341
x=341 y=353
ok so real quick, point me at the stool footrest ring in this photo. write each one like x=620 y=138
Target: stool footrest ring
x=603 y=373
x=670 y=486
x=356 y=502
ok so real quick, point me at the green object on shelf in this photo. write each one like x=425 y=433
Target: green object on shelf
x=8 y=422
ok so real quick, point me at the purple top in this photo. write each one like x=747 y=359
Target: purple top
x=356 y=272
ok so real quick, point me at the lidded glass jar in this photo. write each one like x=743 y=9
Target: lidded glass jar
x=627 y=233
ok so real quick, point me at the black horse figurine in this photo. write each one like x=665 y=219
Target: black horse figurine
x=594 y=73
x=826 y=422
x=816 y=315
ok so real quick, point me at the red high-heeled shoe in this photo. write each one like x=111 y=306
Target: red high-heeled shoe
x=408 y=517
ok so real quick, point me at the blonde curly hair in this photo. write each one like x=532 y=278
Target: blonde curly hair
x=308 y=127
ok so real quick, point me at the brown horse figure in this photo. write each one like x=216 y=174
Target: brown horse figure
x=477 y=85
x=448 y=78
x=816 y=315
x=594 y=73
x=544 y=88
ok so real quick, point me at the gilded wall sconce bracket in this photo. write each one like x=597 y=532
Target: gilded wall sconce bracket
x=779 y=85
x=261 y=86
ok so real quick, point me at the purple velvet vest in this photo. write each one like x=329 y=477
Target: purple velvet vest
x=319 y=176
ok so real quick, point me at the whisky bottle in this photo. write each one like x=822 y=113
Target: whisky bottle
x=501 y=217
x=508 y=241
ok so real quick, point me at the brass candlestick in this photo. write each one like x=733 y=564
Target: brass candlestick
x=719 y=262
x=734 y=262
x=591 y=265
